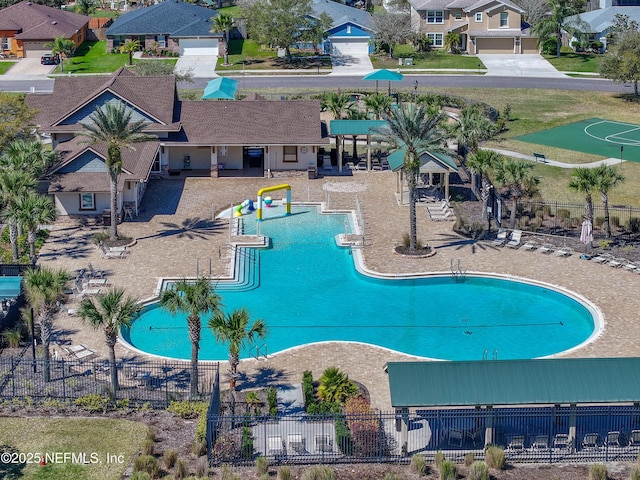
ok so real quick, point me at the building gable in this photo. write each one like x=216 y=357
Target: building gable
x=348 y=29
x=87 y=162
x=82 y=115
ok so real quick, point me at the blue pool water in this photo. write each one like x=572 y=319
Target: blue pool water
x=307 y=290
x=9 y=287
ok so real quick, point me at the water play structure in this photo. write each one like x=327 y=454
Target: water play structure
x=248 y=204
x=262 y=191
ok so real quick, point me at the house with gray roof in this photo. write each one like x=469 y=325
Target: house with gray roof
x=597 y=24
x=191 y=137
x=26 y=27
x=172 y=25
x=484 y=26
x=351 y=29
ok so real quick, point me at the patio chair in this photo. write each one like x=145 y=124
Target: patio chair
x=501 y=238
x=602 y=258
x=93 y=273
x=112 y=253
x=516 y=443
x=275 y=446
x=448 y=215
x=323 y=444
x=634 y=439
x=476 y=436
x=530 y=245
x=79 y=352
x=541 y=443
x=617 y=262
x=630 y=267
x=561 y=441
x=361 y=166
x=591 y=441
x=456 y=437
x=564 y=252
x=613 y=440
x=515 y=239
x=546 y=248
x=295 y=443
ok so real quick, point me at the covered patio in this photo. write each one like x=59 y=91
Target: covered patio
x=354 y=128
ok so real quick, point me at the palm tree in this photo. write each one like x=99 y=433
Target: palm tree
x=130 y=46
x=195 y=299
x=583 y=180
x=44 y=287
x=518 y=177
x=13 y=185
x=481 y=163
x=472 y=127
x=109 y=312
x=85 y=7
x=607 y=177
x=335 y=386
x=223 y=23
x=414 y=130
x=113 y=126
x=234 y=329
x=336 y=103
x=63 y=48
x=451 y=42
x=378 y=104
x=31 y=211
x=28 y=155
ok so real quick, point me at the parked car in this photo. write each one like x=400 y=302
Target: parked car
x=49 y=59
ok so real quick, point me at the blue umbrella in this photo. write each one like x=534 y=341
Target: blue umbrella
x=221 y=87
x=384 y=74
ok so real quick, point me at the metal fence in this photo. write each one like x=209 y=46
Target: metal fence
x=534 y=435
x=154 y=382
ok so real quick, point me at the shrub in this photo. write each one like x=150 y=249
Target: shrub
x=469 y=458
x=264 y=476
x=140 y=476
x=170 y=457
x=597 y=471
x=478 y=471
x=419 y=464
x=438 y=459
x=634 y=225
x=100 y=237
x=598 y=222
x=343 y=436
x=506 y=112
x=364 y=426
x=319 y=472
x=262 y=465
x=284 y=473
x=272 y=402
x=563 y=214
x=199 y=448
x=93 y=403
x=202 y=467
x=308 y=390
x=12 y=337
x=494 y=456
x=226 y=473
x=550 y=46
x=614 y=220
x=148 y=447
x=635 y=473
x=147 y=463
x=225 y=448
x=247 y=443
x=181 y=470
x=187 y=409
x=448 y=470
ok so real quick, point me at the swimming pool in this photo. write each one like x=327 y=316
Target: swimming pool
x=9 y=287
x=307 y=290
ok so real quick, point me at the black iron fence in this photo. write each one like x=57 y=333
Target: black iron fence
x=541 y=435
x=156 y=383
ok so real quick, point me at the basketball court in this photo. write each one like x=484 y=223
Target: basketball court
x=607 y=138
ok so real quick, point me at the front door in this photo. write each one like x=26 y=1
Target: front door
x=253 y=157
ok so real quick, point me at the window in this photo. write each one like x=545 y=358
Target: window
x=479 y=17
x=458 y=14
x=349 y=29
x=435 y=39
x=162 y=41
x=156 y=165
x=119 y=40
x=290 y=154
x=504 y=19
x=435 y=16
x=6 y=43
x=87 y=201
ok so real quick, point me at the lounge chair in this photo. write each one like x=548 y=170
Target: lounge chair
x=93 y=273
x=456 y=437
x=591 y=441
x=564 y=252
x=112 y=254
x=561 y=441
x=515 y=239
x=516 y=443
x=96 y=282
x=634 y=439
x=78 y=352
x=546 y=248
x=541 y=443
x=361 y=166
x=275 y=446
x=448 y=215
x=617 y=262
x=501 y=238
x=613 y=440
x=323 y=444
x=530 y=245
x=630 y=266
x=602 y=258
x=295 y=443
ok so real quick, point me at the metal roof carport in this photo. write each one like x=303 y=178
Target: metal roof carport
x=568 y=381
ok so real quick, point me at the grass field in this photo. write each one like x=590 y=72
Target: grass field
x=435 y=59
x=575 y=62
x=92 y=57
x=4 y=66
x=96 y=438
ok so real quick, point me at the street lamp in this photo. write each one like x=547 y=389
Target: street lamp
x=415 y=92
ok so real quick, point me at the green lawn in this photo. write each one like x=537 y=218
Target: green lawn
x=575 y=62
x=4 y=66
x=248 y=55
x=235 y=11
x=121 y=439
x=91 y=57
x=434 y=59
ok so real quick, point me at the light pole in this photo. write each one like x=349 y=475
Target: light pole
x=415 y=92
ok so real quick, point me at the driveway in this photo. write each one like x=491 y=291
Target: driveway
x=203 y=66
x=512 y=65
x=28 y=67
x=352 y=65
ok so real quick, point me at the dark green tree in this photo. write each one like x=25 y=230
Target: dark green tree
x=622 y=62
x=553 y=24
x=519 y=179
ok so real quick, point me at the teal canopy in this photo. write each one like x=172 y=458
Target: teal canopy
x=384 y=74
x=221 y=87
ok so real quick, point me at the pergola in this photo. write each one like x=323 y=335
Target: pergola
x=430 y=163
x=355 y=128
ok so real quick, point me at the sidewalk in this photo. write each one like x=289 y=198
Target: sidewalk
x=555 y=163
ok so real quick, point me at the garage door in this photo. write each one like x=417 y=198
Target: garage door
x=530 y=45
x=494 y=45
x=35 y=49
x=350 y=47
x=199 y=46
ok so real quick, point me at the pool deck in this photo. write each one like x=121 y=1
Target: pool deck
x=175 y=228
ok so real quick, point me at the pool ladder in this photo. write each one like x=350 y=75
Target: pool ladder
x=261 y=351
x=457 y=273
x=494 y=355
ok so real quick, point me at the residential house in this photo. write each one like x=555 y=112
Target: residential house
x=192 y=137
x=351 y=29
x=484 y=26
x=596 y=24
x=175 y=26
x=26 y=28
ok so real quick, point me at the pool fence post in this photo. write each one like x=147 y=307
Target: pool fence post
x=197 y=267
x=210 y=270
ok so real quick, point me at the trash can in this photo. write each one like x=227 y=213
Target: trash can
x=312 y=171
x=106 y=218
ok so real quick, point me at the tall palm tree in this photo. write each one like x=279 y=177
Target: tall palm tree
x=109 y=312
x=113 y=126
x=195 y=299
x=44 y=287
x=473 y=126
x=336 y=103
x=130 y=46
x=31 y=211
x=378 y=104
x=13 y=185
x=583 y=180
x=413 y=129
x=223 y=23
x=28 y=155
x=607 y=178
x=481 y=163
x=518 y=177
x=234 y=329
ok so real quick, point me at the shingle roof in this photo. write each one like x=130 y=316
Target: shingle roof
x=39 y=22
x=341 y=14
x=136 y=166
x=602 y=19
x=262 y=122
x=154 y=95
x=481 y=3
x=171 y=17
x=467 y=5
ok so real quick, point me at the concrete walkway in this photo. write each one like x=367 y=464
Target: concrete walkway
x=555 y=163
x=519 y=66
